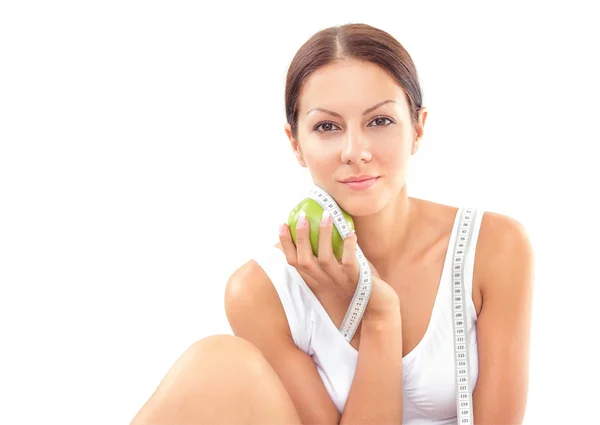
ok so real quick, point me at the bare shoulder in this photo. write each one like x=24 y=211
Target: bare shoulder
x=502 y=237
x=252 y=303
x=504 y=256
x=504 y=249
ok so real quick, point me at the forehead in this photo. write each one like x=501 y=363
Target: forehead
x=349 y=84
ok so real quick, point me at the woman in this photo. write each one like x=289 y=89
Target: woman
x=354 y=119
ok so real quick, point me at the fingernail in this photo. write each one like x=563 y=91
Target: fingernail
x=325 y=218
x=281 y=229
x=301 y=220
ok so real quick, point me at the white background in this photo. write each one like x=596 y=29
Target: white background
x=122 y=122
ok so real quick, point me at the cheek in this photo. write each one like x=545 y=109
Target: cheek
x=320 y=162
x=319 y=153
x=392 y=155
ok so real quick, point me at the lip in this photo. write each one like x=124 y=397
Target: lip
x=360 y=182
x=358 y=178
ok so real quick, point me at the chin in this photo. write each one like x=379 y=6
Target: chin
x=361 y=208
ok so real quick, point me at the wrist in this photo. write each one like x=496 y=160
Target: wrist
x=391 y=311
x=382 y=317
x=382 y=328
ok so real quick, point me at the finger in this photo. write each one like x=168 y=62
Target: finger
x=285 y=239
x=349 y=260
x=306 y=258
x=325 y=257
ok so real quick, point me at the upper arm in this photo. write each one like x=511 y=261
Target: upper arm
x=255 y=313
x=505 y=266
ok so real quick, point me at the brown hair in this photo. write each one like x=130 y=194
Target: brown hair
x=352 y=41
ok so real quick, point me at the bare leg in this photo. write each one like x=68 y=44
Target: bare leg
x=221 y=379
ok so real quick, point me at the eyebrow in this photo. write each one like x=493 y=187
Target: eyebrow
x=371 y=109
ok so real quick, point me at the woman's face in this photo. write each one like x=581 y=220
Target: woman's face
x=354 y=120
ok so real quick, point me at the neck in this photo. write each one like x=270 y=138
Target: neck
x=383 y=237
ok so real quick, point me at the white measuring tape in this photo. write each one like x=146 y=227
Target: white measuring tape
x=363 y=287
x=464 y=403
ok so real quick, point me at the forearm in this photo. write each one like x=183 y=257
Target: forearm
x=376 y=393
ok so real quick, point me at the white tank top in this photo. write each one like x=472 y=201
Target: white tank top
x=429 y=383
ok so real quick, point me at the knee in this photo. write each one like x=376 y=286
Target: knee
x=227 y=354
x=216 y=377
x=212 y=375
x=222 y=343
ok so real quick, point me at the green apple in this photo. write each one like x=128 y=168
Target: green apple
x=314 y=214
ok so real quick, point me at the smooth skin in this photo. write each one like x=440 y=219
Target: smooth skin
x=404 y=238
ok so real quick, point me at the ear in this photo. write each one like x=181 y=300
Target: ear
x=419 y=130
x=295 y=145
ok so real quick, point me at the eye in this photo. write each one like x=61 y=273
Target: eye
x=380 y=121
x=327 y=126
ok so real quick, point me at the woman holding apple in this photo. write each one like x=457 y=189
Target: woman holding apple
x=354 y=119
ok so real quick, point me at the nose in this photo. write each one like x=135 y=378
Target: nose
x=356 y=149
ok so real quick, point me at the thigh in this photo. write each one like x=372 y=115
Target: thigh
x=221 y=379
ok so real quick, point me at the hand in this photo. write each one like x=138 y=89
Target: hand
x=324 y=272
